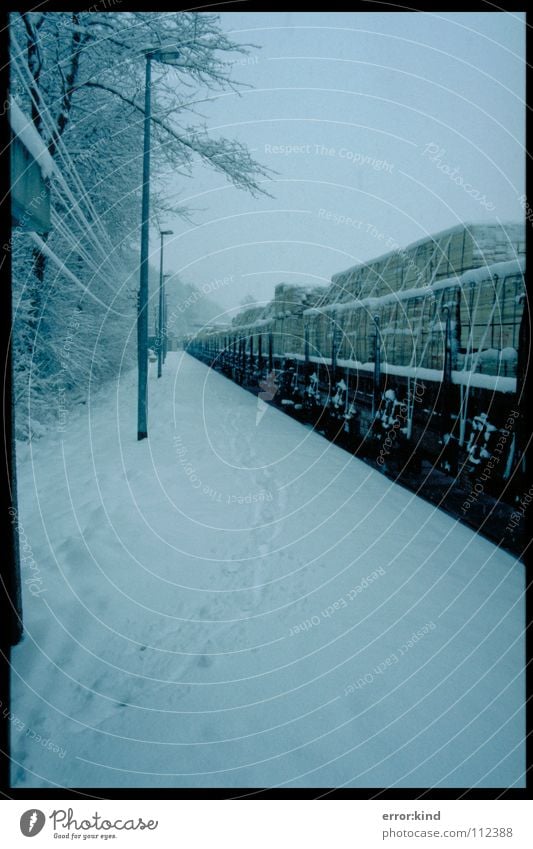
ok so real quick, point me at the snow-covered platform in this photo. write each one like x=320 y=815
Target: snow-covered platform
x=236 y=602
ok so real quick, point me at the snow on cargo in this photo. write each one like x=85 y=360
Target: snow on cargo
x=468 y=278
x=485 y=241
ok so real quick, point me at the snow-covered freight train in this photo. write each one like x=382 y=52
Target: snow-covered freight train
x=415 y=361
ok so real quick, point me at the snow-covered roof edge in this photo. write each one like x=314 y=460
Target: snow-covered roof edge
x=471 y=379
x=26 y=132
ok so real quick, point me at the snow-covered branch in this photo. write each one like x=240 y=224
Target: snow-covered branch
x=230 y=157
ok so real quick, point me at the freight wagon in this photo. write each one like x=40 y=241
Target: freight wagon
x=415 y=361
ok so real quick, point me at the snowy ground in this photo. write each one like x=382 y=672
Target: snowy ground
x=236 y=602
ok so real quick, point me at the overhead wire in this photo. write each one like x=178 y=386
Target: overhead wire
x=75 y=209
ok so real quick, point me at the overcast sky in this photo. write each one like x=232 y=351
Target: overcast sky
x=382 y=127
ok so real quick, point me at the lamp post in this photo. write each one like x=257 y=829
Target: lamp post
x=161 y=323
x=166 y=56
x=165 y=313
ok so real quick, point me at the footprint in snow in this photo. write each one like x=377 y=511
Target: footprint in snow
x=97 y=519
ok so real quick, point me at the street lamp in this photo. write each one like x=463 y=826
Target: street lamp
x=161 y=332
x=165 y=313
x=166 y=56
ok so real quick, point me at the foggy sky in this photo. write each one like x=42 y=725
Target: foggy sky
x=383 y=128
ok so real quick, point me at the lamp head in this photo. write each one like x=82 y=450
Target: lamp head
x=167 y=55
